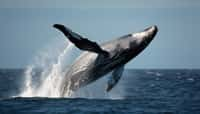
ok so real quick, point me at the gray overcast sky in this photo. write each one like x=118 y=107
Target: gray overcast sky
x=26 y=27
x=99 y=3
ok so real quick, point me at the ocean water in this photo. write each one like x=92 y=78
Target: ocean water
x=140 y=91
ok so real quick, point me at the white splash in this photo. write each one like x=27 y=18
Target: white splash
x=49 y=79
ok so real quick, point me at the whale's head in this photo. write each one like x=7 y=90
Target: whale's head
x=144 y=37
x=140 y=40
x=132 y=44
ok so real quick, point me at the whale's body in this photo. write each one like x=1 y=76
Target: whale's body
x=99 y=60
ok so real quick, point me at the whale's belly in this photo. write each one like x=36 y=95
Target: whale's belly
x=81 y=73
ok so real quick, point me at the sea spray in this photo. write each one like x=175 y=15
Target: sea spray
x=51 y=73
x=52 y=83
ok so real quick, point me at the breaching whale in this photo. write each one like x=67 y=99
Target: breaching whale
x=98 y=60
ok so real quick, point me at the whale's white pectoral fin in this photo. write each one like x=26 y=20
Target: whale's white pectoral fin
x=116 y=75
x=81 y=42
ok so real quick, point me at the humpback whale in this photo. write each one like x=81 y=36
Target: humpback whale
x=100 y=59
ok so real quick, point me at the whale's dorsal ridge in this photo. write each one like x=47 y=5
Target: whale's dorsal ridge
x=81 y=42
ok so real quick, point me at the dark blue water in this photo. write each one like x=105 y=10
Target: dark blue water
x=145 y=92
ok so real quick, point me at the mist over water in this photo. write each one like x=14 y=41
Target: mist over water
x=43 y=77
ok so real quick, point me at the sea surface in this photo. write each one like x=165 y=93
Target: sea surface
x=141 y=91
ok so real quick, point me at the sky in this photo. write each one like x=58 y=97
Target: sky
x=26 y=28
